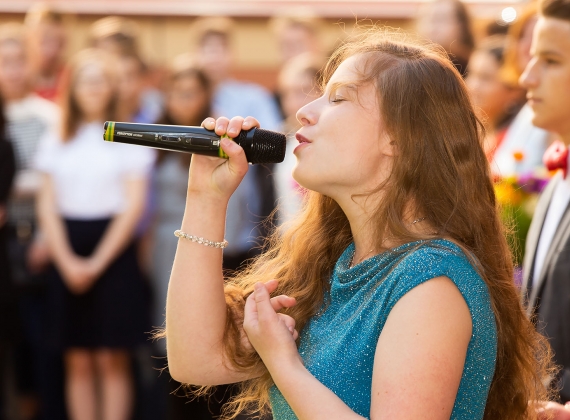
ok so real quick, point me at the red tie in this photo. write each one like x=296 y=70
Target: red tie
x=556 y=157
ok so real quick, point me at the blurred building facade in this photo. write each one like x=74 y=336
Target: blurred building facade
x=165 y=27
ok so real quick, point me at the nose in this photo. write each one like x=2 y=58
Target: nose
x=307 y=115
x=529 y=78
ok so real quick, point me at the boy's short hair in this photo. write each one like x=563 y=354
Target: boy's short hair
x=220 y=27
x=124 y=32
x=41 y=13
x=309 y=23
x=558 y=9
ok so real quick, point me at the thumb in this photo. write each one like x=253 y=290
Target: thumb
x=237 y=160
x=265 y=310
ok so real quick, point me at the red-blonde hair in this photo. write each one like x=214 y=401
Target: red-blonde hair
x=441 y=170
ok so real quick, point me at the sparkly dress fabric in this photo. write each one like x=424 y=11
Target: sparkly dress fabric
x=339 y=343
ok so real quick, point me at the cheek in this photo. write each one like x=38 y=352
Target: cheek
x=554 y=83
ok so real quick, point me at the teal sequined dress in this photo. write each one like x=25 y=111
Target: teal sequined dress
x=339 y=343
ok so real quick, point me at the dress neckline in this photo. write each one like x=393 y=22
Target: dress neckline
x=348 y=275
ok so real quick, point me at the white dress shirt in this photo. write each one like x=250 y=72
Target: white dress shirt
x=556 y=210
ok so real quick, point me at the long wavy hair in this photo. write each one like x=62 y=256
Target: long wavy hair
x=441 y=170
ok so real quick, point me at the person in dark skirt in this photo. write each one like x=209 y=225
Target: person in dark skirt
x=91 y=201
x=8 y=307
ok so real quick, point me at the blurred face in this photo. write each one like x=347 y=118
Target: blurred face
x=295 y=40
x=439 y=24
x=130 y=78
x=93 y=91
x=488 y=93
x=343 y=148
x=214 y=57
x=49 y=44
x=186 y=100
x=297 y=92
x=14 y=71
x=547 y=76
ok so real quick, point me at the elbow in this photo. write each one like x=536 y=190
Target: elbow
x=193 y=369
x=179 y=373
x=180 y=366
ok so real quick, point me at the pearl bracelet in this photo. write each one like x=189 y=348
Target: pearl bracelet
x=199 y=240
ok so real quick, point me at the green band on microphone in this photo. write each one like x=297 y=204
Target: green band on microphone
x=221 y=153
x=110 y=131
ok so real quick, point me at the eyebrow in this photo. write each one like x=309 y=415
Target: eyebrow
x=549 y=52
x=337 y=85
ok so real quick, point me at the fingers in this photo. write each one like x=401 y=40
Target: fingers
x=237 y=160
x=271 y=285
x=231 y=127
x=290 y=324
x=235 y=126
x=283 y=301
x=265 y=310
x=209 y=123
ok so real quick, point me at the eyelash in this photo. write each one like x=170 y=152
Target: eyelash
x=336 y=100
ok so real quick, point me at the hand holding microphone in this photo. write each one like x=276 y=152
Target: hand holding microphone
x=209 y=176
x=238 y=140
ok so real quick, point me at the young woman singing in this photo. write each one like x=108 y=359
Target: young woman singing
x=393 y=294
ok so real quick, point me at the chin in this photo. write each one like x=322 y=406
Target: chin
x=539 y=120
x=306 y=180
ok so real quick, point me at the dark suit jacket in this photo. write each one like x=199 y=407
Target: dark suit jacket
x=549 y=298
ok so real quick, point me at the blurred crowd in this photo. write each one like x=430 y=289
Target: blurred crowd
x=86 y=227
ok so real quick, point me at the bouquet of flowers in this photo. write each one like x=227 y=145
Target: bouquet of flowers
x=517 y=196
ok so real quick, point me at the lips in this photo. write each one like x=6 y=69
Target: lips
x=303 y=142
x=533 y=99
x=302 y=139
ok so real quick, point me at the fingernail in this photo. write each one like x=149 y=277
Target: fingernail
x=219 y=127
x=227 y=143
x=258 y=286
x=232 y=131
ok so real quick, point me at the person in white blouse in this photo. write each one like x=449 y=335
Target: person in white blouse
x=91 y=200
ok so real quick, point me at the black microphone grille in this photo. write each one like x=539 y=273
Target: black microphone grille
x=266 y=147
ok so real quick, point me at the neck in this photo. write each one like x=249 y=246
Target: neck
x=358 y=211
x=87 y=119
x=16 y=96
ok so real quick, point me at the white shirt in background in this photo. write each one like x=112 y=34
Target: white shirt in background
x=89 y=173
x=521 y=137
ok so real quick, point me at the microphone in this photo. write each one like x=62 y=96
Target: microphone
x=260 y=146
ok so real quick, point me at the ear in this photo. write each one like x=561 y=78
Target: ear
x=388 y=145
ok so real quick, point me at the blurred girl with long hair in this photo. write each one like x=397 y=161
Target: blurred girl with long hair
x=91 y=200
x=390 y=295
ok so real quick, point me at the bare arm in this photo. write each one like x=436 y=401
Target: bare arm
x=52 y=225
x=424 y=341
x=195 y=304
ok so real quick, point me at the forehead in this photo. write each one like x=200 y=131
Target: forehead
x=552 y=35
x=346 y=72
